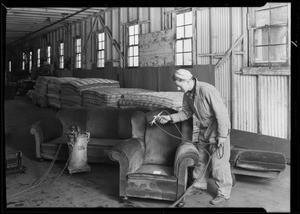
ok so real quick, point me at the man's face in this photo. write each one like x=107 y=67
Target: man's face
x=183 y=85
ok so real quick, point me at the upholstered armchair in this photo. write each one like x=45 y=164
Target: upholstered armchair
x=153 y=164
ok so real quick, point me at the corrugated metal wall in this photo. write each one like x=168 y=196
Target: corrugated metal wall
x=274 y=105
x=258 y=104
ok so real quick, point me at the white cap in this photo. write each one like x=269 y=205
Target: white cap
x=183 y=74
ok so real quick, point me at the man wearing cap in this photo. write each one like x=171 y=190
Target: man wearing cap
x=203 y=100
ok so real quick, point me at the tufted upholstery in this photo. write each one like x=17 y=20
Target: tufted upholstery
x=153 y=164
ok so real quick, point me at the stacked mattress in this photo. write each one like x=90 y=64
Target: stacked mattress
x=54 y=90
x=153 y=100
x=71 y=90
x=107 y=96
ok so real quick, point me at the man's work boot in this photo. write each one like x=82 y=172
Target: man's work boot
x=194 y=191
x=218 y=200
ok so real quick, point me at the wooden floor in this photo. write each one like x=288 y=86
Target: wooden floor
x=99 y=188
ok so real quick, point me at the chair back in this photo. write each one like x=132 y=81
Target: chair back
x=161 y=140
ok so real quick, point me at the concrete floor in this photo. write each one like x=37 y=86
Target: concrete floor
x=99 y=188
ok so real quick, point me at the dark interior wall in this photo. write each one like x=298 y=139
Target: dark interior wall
x=160 y=78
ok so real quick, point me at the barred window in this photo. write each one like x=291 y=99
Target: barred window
x=61 y=55
x=184 y=34
x=270 y=35
x=78 y=53
x=49 y=55
x=38 y=57
x=100 y=50
x=30 y=61
x=23 y=61
x=133 y=48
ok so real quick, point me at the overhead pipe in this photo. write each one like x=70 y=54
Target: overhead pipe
x=50 y=25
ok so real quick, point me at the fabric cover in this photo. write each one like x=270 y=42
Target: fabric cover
x=261 y=161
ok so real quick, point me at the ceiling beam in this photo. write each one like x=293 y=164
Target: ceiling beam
x=50 y=25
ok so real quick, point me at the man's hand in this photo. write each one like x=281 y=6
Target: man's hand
x=221 y=141
x=163 y=119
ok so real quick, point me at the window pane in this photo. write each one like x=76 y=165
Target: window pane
x=179 y=19
x=135 y=51
x=130 y=51
x=261 y=37
x=188 y=18
x=131 y=40
x=187 y=58
x=135 y=61
x=179 y=46
x=278 y=53
x=261 y=54
x=278 y=35
x=179 y=32
x=279 y=15
x=262 y=18
x=131 y=30
x=130 y=61
x=188 y=31
x=136 y=39
x=179 y=60
x=136 y=29
x=187 y=45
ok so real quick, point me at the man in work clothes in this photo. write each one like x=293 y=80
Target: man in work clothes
x=203 y=100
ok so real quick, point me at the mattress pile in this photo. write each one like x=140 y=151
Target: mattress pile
x=153 y=100
x=71 y=91
x=54 y=90
x=39 y=96
x=107 y=96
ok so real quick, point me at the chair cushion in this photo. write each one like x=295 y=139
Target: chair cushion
x=152 y=181
x=261 y=161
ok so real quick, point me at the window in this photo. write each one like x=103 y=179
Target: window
x=9 y=66
x=133 y=49
x=101 y=50
x=23 y=61
x=30 y=61
x=38 y=57
x=78 y=53
x=49 y=55
x=184 y=34
x=61 y=55
x=270 y=35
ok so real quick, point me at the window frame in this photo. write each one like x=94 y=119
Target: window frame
x=133 y=46
x=30 y=61
x=48 y=54
x=61 y=55
x=23 y=65
x=267 y=27
x=184 y=38
x=98 y=49
x=9 y=65
x=78 y=55
x=38 y=52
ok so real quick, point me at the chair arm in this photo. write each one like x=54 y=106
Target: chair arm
x=130 y=154
x=186 y=155
x=44 y=131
